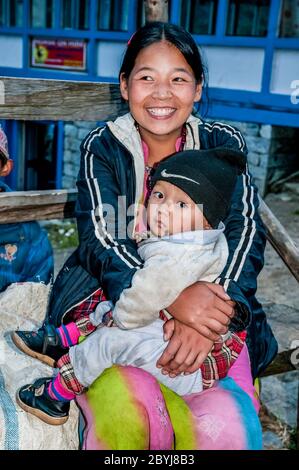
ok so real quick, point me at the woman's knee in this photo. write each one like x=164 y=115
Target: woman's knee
x=225 y=418
x=129 y=410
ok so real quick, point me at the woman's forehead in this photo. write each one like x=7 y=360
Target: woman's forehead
x=161 y=55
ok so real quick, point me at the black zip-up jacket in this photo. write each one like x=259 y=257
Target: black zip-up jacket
x=110 y=183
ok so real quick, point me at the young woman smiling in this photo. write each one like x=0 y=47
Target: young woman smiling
x=161 y=77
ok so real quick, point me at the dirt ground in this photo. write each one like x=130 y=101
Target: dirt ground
x=275 y=283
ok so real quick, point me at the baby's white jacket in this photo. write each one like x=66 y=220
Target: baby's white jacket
x=170 y=265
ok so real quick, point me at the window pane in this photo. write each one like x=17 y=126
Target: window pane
x=82 y=8
x=16 y=13
x=104 y=14
x=120 y=15
x=40 y=155
x=113 y=15
x=42 y=13
x=140 y=14
x=3 y=20
x=248 y=18
x=11 y=13
x=66 y=14
x=199 y=16
x=75 y=14
x=289 y=23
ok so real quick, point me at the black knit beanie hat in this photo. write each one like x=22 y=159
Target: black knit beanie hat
x=208 y=176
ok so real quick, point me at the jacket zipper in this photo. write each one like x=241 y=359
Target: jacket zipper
x=134 y=176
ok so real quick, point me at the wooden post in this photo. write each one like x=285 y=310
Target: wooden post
x=156 y=10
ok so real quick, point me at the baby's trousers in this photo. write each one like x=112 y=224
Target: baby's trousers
x=139 y=347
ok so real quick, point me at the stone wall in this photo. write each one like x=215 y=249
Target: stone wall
x=283 y=156
x=273 y=153
x=258 y=139
x=74 y=133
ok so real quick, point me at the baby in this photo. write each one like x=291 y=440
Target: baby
x=185 y=243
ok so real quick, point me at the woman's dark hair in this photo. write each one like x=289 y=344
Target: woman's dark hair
x=155 y=32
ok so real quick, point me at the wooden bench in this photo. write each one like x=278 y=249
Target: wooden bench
x=71 y=101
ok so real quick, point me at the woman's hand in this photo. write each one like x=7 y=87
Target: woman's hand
x=186 y=350
x=205 y=307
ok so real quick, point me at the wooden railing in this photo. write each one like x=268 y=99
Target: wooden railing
x=32 y=99
x=24 y=206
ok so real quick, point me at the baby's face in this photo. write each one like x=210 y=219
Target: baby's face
x=171 y=211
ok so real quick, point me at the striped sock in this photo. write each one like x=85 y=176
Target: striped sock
x=59 y=392
x=68 y=334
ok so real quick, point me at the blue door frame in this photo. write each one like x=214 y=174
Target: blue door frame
x=12 y=130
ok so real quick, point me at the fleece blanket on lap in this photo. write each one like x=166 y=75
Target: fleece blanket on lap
x=145 y=415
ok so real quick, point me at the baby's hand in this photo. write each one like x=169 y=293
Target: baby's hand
x=168 y=329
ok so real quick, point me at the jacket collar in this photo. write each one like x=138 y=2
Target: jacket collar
x=124 y=129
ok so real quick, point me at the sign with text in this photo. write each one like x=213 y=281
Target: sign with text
x=66 y=54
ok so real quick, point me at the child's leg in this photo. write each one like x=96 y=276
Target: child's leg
x=69 y=334
x=140 y=347
x=58 y=390
x=65 y=386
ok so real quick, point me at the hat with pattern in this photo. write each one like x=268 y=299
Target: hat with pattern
x=4 y=155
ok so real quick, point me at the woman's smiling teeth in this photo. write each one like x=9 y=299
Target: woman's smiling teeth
x=161 y=112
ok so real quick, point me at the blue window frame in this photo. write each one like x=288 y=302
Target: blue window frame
x=37 y=152
x=273 y=26
x=216 y=23
x=261 y=106
x=68 y=19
